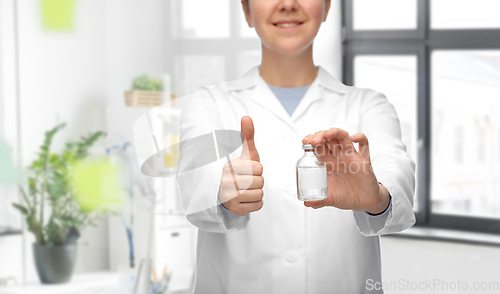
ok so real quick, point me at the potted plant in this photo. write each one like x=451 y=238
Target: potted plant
x=51 y=209
x=146 y=92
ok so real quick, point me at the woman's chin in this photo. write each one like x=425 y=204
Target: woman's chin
x=289 y=49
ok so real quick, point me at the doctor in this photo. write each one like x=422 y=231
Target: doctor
x=261 y=238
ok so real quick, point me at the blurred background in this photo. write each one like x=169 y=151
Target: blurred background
x=101 y=65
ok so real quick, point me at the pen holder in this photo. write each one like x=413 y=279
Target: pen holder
x=162 y=286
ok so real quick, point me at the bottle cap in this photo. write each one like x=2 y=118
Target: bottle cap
x=308 y=147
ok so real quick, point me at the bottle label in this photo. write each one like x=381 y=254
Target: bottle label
x=312 y=178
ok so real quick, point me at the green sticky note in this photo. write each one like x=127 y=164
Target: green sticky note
x=8 y=173
x=58 y=15
x=98 y=184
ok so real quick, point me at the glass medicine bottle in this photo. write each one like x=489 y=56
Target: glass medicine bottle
x=311 y=176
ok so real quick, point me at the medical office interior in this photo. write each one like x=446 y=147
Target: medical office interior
x=94 y=68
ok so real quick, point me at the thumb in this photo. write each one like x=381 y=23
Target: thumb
x=249 y=151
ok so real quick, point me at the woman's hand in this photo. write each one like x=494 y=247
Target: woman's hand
x=242 y=182
x=351 y=181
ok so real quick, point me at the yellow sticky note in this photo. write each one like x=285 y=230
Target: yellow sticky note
x=58 y=15
x=98 y=184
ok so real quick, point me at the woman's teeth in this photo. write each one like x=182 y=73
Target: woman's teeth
x=286 y=25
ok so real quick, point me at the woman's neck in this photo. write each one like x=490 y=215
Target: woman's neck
x=288 y=71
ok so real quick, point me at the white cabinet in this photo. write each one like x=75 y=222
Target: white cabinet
x=175 y=247
x=181 y=240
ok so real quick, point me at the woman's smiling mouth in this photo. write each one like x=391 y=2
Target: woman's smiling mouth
x=287 y=23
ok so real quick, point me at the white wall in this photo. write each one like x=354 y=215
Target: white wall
x=11 y=257
x=135 y=34
x=11 y=247
x=61 y=74
x=72 y=77
x=420 y=261
x=62 y=78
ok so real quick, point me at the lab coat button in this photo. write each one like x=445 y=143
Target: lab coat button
x=291 y=257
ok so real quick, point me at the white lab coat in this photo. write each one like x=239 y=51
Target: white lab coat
x=286 y=247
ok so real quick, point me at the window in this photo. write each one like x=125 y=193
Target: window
x=396 y=77
x=201 y=44
x=438 y=63
x=196 y=23
x=379 y=14
x=465 y=14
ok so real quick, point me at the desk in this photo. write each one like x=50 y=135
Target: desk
x=91 y=283
x=98 y=283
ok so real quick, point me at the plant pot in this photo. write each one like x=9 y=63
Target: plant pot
x=57 y=15
x=54 y=264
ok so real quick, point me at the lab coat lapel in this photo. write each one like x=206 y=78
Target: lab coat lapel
x=312 y=95
x=316 y=92
x=264 y=96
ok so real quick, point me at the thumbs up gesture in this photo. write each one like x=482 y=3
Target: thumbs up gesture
x=242 y=182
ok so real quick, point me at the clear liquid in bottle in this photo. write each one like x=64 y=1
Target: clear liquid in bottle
x=312 y=182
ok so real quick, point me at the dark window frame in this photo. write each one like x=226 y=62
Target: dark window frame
x=420 y=43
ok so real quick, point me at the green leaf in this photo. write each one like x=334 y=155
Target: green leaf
x=86 y=142
x=35 y=165
x=146 y=83
x=21 y=208
x=32 y=186
x=29 y=223
x=51 y=174
x=43 y=158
